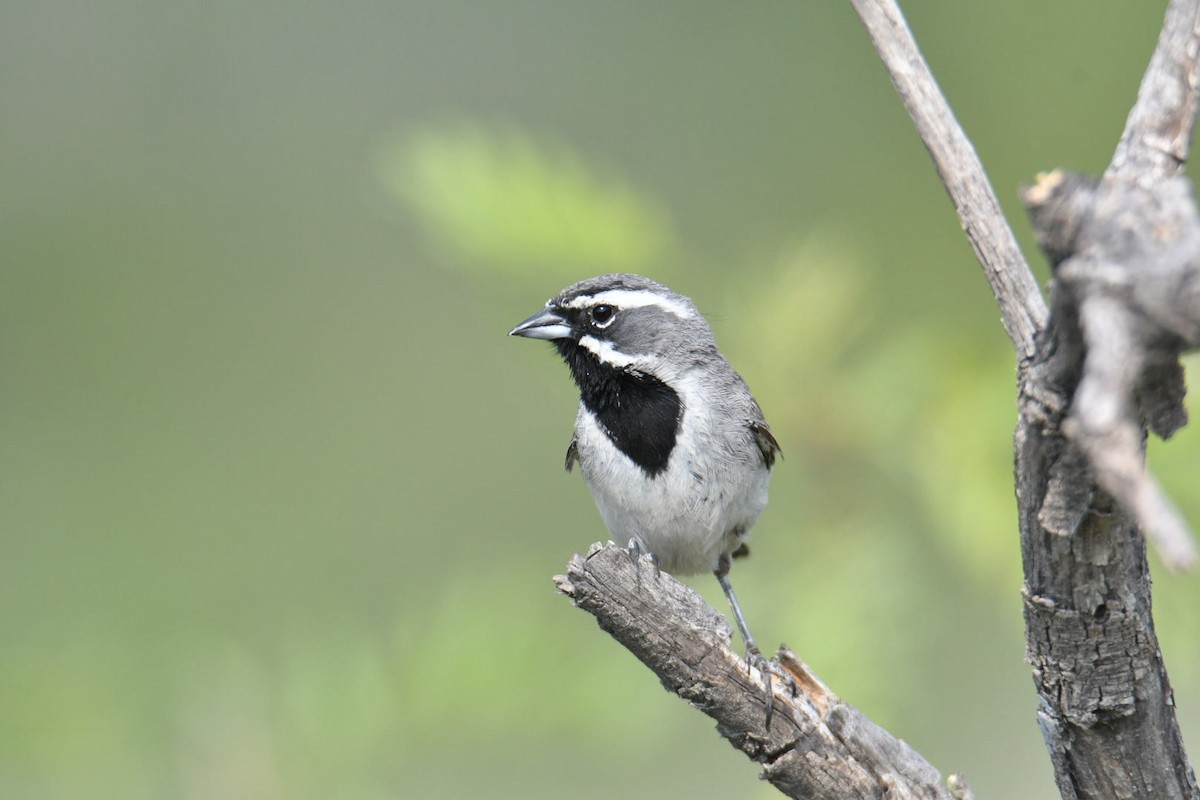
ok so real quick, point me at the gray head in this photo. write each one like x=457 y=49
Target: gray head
x=631 y=344
x=623 y=321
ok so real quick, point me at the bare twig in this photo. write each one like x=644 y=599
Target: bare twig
x=1022 y=308
x=1158 y=130
x=817 y=747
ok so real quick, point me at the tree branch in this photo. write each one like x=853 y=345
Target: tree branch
x=1103 y=368
x=1022 y=308
x=817 y=746
x=1125 y=252
x=1158 y=130
x=1126 y=306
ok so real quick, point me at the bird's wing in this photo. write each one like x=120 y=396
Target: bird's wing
x=765 y=440
x=572 y=454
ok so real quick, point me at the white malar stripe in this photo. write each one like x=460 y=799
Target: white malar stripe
x=609 y=354
x=634 y=298
x=647 y=363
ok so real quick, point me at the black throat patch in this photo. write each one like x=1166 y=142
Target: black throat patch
x=639 y=413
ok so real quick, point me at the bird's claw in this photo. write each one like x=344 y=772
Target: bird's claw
x=768 y=668
x=634 y=549
x=635 y=552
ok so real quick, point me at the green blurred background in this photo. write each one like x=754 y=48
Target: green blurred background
x=281 y=502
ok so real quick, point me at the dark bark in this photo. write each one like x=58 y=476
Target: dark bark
x=1102 y=369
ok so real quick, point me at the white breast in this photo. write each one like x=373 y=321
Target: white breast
x=701 y=506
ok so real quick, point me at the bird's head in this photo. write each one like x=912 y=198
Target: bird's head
x=624 y=322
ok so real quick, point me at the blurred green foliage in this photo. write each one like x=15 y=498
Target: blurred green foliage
x=499 y=201
x=282 y=502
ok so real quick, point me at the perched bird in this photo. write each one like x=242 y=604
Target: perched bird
x=671 y=443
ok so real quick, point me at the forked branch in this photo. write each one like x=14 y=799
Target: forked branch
x=1101 y=369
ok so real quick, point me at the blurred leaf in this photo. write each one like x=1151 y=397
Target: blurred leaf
x=499 y=201
x=338 y=697
x=70 y=724
x=935 y=416
x=961 y=457
x=843 y=631
x=919 y=416
x=469 y=655
x=808 y=311
x=227 y=737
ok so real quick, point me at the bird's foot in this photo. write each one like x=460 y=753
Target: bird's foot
x=768 y=669
x=634 y=548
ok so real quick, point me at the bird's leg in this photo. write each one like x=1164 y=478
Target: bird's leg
x=753 y=654
x=722 y=573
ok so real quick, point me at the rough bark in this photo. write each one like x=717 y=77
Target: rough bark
x=816 y=747
x=1103 y=368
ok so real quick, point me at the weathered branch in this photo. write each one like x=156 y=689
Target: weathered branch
x=1126 y=305
x=1158 y=130
x=1125 y=251
x=816 y=748
x=1127 y=293
x=1022 y=308
x=1103 y=368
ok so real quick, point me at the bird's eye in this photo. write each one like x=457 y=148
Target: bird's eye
x=603 y=314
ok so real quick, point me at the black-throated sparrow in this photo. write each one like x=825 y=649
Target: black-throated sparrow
x=671 y=443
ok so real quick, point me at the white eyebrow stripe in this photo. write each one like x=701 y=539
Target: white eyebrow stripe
x=633 y=298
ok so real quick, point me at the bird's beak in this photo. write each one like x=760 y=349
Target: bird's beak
x=545 y=324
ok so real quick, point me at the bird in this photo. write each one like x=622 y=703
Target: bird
x=671 y=443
